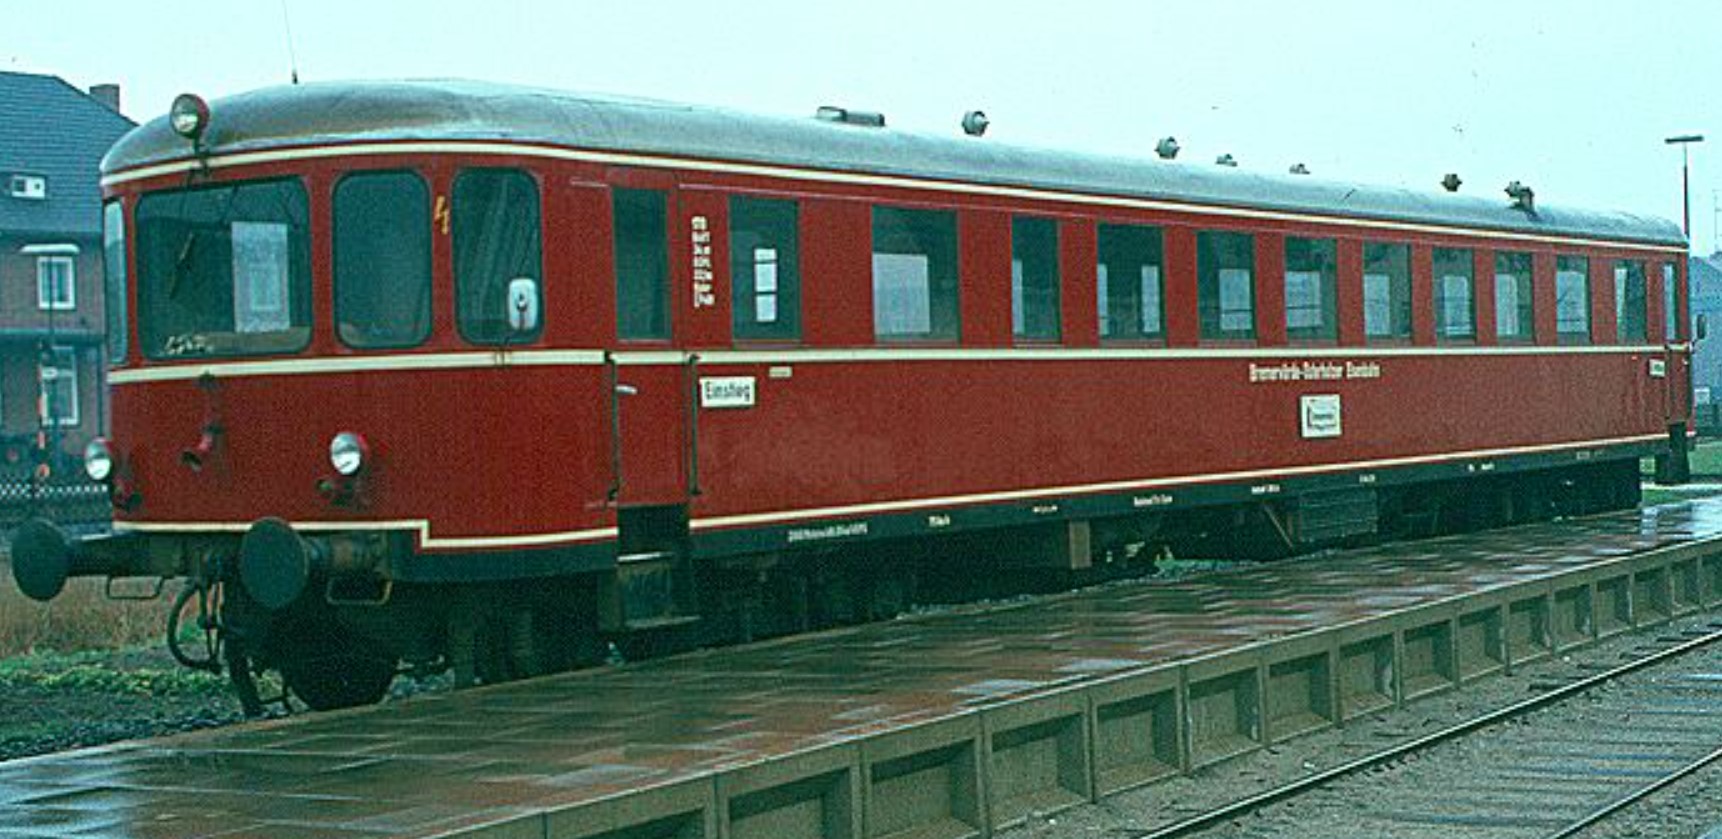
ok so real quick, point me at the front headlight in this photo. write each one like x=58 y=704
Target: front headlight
x=347 y=453
x=99 y=460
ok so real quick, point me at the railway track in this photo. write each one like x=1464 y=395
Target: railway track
x=1557 y=765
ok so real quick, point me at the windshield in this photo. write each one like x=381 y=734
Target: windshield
x=224 y=270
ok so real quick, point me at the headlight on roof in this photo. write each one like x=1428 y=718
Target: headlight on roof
x=189 y=116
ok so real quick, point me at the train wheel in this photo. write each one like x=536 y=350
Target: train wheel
x=326 y=669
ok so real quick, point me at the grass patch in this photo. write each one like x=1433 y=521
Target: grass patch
x=81 y=618
x=100 y=673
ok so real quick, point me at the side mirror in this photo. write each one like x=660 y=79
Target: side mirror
x=1701 y=329
x=522 y=304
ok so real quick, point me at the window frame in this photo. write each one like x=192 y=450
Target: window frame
x=116 y=290
x=430 y=257
x=73 y=417
x=662 y=330
x=1439 y=297
x=1564 y=336
x=1526 y=305
x=1020 y=297
x=944 y=305
x=790 y=291
x=1622 y=285
x=507 y=337
x=1207 y=242
x=1401 y=304
x=1671 y=325
x=1328 y=290
x=1138 y=335
x=47 y=301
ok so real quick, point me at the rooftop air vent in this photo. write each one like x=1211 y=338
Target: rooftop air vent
x=28 y=187
x=1167 y=148
x=975 y=123
x=850 y=116
x=1226 y=160
x=1523 y=197
x=1451 y=182
x=1299 y=169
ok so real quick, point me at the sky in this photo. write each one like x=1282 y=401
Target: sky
x=1572 y=98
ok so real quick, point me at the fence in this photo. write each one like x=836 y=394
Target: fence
x=76 y=504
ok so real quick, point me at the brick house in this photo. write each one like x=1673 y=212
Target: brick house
x=53 y=388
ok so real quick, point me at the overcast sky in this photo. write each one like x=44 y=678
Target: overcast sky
x=1573 y=98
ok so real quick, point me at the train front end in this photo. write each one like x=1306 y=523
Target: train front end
x=345 y=452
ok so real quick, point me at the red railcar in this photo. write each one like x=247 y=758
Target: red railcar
x=449 y=371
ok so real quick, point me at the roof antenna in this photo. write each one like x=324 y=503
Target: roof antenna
x=292 y=55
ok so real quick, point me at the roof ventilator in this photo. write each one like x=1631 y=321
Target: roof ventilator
x=1523 y=197
x=1451 y=182
x=849 y=116
x=1167 y=148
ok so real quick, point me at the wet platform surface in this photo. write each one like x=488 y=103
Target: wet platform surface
x=446 y=764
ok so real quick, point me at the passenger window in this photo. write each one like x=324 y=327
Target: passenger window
x=1514 y=304
x=914 y=274
x=1130 y=288
x=382 y=248
x=1225 y=285
x=642 y=265
x=1572 y=299
x=765 y=269
x=1670 y=305
x=1386 y=291
x=1310 y=283
x=496 y=241
x=1455 y=310
x=1629 y=300
x=1034 y=279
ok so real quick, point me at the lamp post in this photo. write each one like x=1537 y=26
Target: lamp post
x=1675 y=468
x=1684 y=141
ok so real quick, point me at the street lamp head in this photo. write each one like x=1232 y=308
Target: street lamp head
x=1685 y=138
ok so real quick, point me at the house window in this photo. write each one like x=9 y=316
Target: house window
x=765 y=269
x=1455 y=312
x=1128 y=277
x=1034 y=279
x=56 y=283
x=1310 y=285
x=1572 y=299
x=59 y=402
x=1386 y=291
x=914 y=274
x=1514 y=320
x=1225 y=285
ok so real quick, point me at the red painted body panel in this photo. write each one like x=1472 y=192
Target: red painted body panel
x=494 y=453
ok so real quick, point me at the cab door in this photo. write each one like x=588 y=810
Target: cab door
x=648 y=374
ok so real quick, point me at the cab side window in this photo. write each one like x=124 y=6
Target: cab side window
x=496 y=242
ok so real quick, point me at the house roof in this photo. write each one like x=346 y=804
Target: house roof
x=57 y=132
x=337 y=113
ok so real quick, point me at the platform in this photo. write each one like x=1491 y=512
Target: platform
x=944 y=725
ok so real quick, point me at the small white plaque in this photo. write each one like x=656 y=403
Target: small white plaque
x=727 y=392
x=1318 y=415
x=1658 y=368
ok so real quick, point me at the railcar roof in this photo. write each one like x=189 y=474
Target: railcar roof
x=387 y=111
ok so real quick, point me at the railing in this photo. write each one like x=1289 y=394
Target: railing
x=76 y=504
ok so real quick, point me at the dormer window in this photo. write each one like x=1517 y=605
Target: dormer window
x=28 y=187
